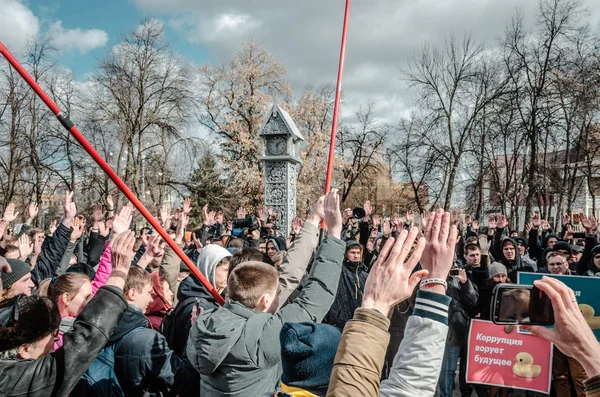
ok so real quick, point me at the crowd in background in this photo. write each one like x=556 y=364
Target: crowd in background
x=93 y=307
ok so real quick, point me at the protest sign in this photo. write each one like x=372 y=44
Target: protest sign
x=587 y=292
x=516 y=360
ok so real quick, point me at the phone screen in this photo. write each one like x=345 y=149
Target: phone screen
x=521 y=304
x=454 y=272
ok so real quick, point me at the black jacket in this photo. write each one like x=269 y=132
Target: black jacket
x=349 y=294
x=462 y=308
x=57 y=373
x=189 y=288
x=51 y=254
x=512 y=265
x=144 y=364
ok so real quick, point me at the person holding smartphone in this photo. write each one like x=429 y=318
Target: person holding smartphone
x=562 y=365
x=462 y=307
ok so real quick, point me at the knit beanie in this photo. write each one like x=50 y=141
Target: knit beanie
x=562 y=246
x=595 y=250
x=26 y=319
x=497 y=268
x=307 y=354
x=19 y=269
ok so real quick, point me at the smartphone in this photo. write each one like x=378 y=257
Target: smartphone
x=516 y=304
x=454 y=272
x=579 y=235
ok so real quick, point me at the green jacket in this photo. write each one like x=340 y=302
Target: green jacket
x=237 y=350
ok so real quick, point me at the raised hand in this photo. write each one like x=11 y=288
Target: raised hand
x=438 y=256
x=527 y=228
x=25 y=247
x=590 y=224
x=122 y=221
x=566 y=220
x=69 y=211
x=475 y=225
x=98 y=214
x=9 y=213
x=368 y=210
x=121 y=256
x=296 y=225
x=387 y=229
x=390 y=280
x=109 y=203
x=273 y=214
x=484 y=245
x=33 y=212
x=410 y=217
x=53 y=226
x=501 y=222
x=196 y=242
x=462 y=276
x=219 y=218
x=208 y=218
x=78 y=228
x=182 y=223
x=571 y=334
x=569 y=233
x=545 y=225
x=376 y=221
x=492 y=222
x=347 y=215
x=318 y=211
x=536 y=221
x=454 y=217
x=187 y=205
x=165 y=216
x=333 y=215
x=424 y=219
x=396 y=221
x=154 y=250
x=262 y=216
x=3 y=226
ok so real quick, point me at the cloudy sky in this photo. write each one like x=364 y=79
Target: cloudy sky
x=305 y=35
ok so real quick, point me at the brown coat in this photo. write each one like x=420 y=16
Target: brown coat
x=592 y=386
x=360 y=356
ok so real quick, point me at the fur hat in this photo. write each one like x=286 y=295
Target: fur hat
x=26 y=319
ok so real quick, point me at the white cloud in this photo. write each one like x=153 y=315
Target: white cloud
x=76 y=39
x=305 y=36
x=18 y=25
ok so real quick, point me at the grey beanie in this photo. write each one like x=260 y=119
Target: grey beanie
x=19 y=270
x=497 y=268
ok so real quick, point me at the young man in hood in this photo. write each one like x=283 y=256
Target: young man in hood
x=236 y=347
x=213 y=263
x=351 y=287
x=522 y=245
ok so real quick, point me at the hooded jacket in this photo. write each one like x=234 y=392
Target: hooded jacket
x=57 y=373
x=512 y=265
x=191 y=287
x=350 y=290
x=237 y=351
x=160 y=306
x=144 y=363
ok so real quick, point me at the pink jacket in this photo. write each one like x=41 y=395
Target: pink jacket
x=102 y=274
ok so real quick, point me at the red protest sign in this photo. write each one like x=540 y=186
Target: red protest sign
x=515 y=360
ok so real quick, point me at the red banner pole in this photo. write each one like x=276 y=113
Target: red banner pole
x=336 y=108
x=66 y=122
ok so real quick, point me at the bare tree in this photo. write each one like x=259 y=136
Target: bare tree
x=455 y=86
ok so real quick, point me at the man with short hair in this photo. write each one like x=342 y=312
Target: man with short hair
x=144 y=364
x=236 y=347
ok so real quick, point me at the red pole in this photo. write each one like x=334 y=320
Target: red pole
x=338 y=93
x=66 y=122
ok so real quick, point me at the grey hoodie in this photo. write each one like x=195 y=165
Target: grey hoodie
x=237 y=350
x=208 y=259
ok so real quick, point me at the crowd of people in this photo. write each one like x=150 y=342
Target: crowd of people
x=371 y=309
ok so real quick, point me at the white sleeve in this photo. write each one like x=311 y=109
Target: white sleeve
x=418 y=362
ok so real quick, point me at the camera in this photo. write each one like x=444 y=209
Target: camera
x=358 y=212
x=250 y=222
